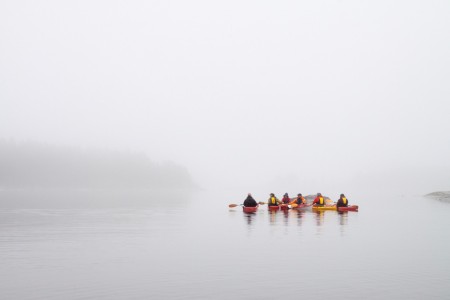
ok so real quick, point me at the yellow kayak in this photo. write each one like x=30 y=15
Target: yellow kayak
x=327 y=207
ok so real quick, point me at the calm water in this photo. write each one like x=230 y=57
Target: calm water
x=397 y=249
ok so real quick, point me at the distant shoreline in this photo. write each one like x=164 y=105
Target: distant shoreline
x=443 y=196
x=33 y=165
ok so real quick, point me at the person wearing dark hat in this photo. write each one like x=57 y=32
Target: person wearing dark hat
x=286 y=199
x=298 y=200
x=319 y=201
x=273 y=201
x=250 y=202
x=342 y=202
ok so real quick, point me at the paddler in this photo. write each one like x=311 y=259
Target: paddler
x=286 y=199
x=273 y=201
x=342 y=202
x=319 y=200
x=298 y=200
x=249 y=201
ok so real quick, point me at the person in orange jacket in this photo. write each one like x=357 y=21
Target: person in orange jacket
x=298 y=200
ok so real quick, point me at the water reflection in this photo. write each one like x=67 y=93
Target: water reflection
x=94 y=198
x=300 y=215
x=286 y=217
x=343 y=217
x=291 y=216
x=320 y=217
x=297 y=217
x=273 y=217
x=249 y=217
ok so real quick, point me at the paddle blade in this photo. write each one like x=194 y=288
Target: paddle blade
x=233 y=205
x=262 y=203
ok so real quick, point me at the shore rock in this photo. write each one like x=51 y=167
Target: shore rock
x=440 y=196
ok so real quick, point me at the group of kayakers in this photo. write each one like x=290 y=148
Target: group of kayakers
x=274 y=201
x=320 y=201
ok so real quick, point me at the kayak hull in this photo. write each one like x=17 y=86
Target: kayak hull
x=274 y=207
x=320 y=208
x=333 y=207
x=248 y=209
x=301 y=206
x=284 y=206
x=349 y=208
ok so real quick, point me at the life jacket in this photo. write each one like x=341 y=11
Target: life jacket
x=299 y=200
x=286 y=200
x=273 y=200
x=344 y=200
x=321 y=201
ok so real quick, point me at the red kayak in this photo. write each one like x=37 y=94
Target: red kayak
x=248 y=209
x=348 y=208
x=274 y=207
x=284 y=206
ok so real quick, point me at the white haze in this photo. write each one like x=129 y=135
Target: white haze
x=275 y=95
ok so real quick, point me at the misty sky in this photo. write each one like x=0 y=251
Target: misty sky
x=239 y=92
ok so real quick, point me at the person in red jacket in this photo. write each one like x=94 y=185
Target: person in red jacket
x=286 y=199
x=319 y=200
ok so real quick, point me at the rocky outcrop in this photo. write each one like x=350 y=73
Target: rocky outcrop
x=441 y=196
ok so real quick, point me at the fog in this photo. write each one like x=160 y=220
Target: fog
x=247 y=95
x=33 y=165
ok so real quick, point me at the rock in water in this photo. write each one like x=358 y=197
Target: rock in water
x=441 y=196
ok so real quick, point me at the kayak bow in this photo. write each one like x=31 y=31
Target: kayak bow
x=248 y=209
x=349 y=208
x=274 y=207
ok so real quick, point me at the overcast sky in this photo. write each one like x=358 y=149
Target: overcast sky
x=241 y=92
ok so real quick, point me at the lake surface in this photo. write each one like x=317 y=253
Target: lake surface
x=397 y=247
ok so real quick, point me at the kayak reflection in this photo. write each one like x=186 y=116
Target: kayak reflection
x=288 y=216
x=300 y=215
x=320 y=217
x=292 y=216
x=343 y=217
x=273 y=217
x=249 y=218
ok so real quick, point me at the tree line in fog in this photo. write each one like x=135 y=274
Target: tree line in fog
x=30 y=164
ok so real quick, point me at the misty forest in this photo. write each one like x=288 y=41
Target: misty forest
x=32 y=165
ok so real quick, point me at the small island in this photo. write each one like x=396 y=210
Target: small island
x=441 y=196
